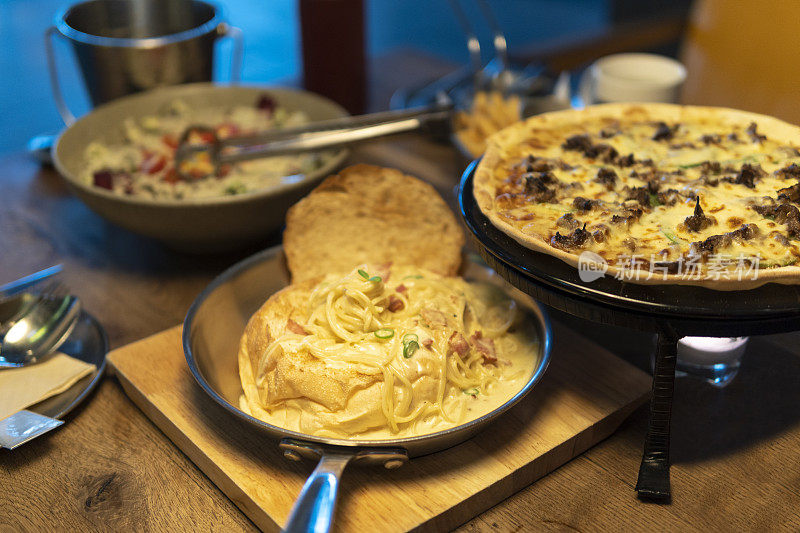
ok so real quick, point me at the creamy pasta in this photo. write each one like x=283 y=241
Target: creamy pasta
x=431 y=352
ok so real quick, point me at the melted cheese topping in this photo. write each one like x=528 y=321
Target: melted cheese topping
x=428 y=353
x=638 y=209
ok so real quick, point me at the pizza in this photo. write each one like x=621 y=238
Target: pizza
x=655 y=193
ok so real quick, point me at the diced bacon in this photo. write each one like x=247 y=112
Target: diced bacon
x=224 y=170
x=395 y=304
x=401 y=288
x=294 y=327
x=434 y=318
x=458 y=344
x=103 y=179
x=427 y=343
x=485 y=347
x=171 y=176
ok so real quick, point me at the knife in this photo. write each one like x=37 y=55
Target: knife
x=24 y=426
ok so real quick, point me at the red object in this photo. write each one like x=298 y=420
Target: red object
x=153 y=163
x=104 y=179
x=198 y=136
x=224 y=170
x=266 y=103
x=484 y=346
x=334 y=59
x=458 y=344
x=171 y=176
x=395 y=304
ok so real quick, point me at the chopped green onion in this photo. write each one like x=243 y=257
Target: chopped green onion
x=417 y=276
x=363 y=274
x=771 y=264
x=236 y=188
x=472 y=392
x=753 y=158
x=671 y=236
x=384 y=333
x=410 y=348
x=408 y=337
x=376 y=279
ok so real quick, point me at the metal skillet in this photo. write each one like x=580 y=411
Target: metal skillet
x=211 y=333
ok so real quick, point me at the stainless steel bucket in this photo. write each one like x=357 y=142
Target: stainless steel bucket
x=127 y=46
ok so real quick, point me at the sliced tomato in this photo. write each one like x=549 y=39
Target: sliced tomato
x=153 y=164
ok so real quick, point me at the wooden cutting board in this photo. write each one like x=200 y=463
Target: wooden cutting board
x=583 y=397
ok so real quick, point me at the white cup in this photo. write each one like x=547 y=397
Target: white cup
x=633 y=78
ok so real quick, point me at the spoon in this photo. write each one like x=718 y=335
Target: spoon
x=41 y=330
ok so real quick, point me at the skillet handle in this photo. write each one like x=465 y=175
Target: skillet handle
x=313 y=511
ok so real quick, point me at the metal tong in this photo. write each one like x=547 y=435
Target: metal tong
x=311 y=137
x=497 y=73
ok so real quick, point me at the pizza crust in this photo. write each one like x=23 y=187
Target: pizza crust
x=536 y=131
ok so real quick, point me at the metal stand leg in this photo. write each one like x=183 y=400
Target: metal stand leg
x=653 y=483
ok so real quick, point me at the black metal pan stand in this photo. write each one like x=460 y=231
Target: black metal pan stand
x=670 y=311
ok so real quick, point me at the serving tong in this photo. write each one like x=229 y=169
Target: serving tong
x=497 y=74
x=435 y=118
x=539 y=89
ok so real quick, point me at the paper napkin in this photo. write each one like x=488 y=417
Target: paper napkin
x=23 y=387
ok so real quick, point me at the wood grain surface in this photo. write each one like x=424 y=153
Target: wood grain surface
x=735 y=451
x=585 y=394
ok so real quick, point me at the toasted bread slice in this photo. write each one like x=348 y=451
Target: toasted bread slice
x=343 y=398
x=370 y=214
x=301 y=375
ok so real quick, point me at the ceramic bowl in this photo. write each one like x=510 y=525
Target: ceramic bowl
x=201 y=224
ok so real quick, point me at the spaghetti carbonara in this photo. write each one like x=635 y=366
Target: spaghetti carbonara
x=394 y=353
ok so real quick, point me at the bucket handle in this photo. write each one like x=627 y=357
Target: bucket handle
x=58 y=96
x=223 y=30
x=226 y=30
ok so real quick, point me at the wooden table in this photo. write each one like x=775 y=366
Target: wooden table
x=736 y=452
